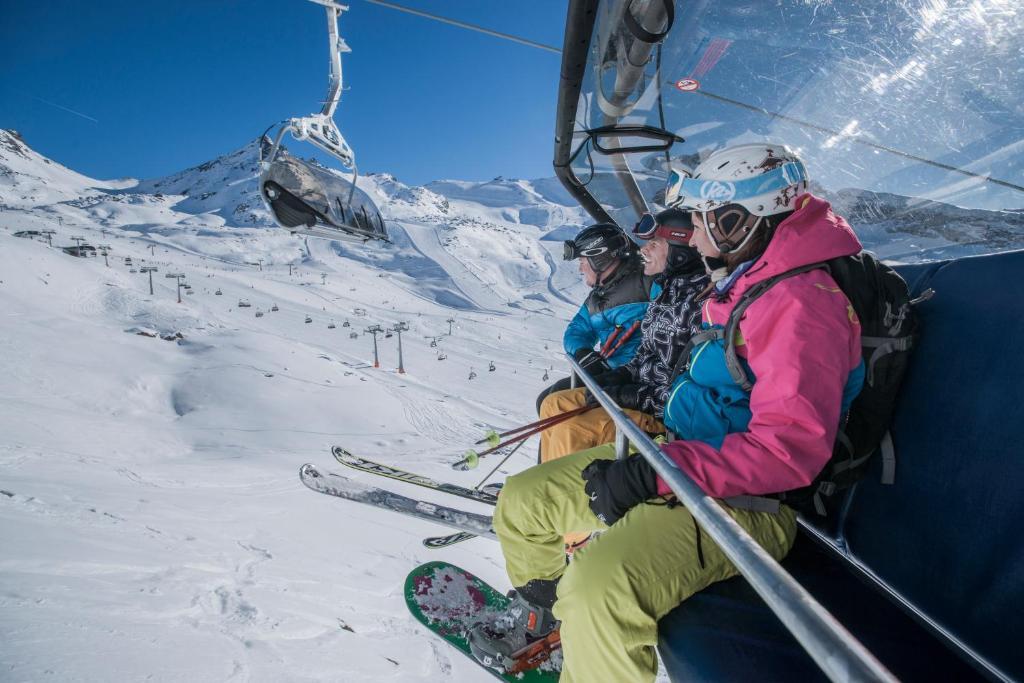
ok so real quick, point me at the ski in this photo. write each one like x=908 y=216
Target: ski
x=332 y=484
x=363 y=465
x=437 y=542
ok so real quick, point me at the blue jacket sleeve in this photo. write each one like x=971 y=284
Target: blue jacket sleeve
x=580 y=334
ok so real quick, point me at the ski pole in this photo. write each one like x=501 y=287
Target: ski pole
x=494 y=438
x=472 y=458
x=609 y=341
x=609 y=352
x=550 y=422
x=491 y=473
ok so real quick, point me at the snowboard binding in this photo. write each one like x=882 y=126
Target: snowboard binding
x=522 y=638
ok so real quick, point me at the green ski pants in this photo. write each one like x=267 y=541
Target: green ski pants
x=622 y=582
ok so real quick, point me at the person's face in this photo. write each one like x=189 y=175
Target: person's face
x=589 y=276
x=700 y=240
x=655 y=254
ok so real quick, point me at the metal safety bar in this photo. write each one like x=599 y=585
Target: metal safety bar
x=841 y=656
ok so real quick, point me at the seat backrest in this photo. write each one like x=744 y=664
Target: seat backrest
x=946 y=536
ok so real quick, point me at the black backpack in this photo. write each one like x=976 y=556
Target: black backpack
x=889 y=326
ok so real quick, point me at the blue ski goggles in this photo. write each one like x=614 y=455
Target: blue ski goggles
x=646 y=226
x=683 y=188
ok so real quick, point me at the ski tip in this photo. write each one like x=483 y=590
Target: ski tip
x=308 y=471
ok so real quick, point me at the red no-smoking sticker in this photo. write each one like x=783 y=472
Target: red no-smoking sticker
x=688 y=84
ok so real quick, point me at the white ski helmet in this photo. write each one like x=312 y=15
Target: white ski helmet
x=737 y=187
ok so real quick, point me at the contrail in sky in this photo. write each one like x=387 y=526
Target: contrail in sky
x=76 y=113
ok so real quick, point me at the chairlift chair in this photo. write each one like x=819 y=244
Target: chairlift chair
x=490 y=367
x=353 y=335
x=219 y=293
x=442 y=356
x=346 y=324
x=331 y=326
x=304 y=197
x=274 y=308
x=308 y=319
x=388 y=334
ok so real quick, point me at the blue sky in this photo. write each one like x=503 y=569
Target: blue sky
x=113 y=88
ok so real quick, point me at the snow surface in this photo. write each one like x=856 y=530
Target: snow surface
x=151 y=515
x=152 y=522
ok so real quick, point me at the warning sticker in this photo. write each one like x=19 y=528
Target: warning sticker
x=688 y=84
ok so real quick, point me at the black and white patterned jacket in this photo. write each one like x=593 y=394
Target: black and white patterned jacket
x=673 y=315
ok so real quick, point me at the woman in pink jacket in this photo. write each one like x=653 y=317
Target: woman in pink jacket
x=799 y=343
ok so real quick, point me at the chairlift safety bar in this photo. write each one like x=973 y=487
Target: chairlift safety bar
x=840 y=656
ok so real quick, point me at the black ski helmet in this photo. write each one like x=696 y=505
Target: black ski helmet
x=676 y=227
x=601 y=244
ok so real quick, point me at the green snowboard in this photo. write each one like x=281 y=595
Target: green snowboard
x=449 y=601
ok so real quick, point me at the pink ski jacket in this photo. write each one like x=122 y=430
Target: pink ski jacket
x=801 y=340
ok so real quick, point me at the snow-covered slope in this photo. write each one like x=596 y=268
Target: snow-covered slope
x=150 y=514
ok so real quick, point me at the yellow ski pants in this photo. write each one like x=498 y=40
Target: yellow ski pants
x=622 y=582
x=592 y=428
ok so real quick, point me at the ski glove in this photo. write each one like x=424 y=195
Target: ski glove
x=592 y=361
x=619 y=375
x=616 y=486
x=626 y=395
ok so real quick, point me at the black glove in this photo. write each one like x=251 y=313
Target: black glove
x=615 y=486
x=619 y=375
x=593 y=362
x=626 y=395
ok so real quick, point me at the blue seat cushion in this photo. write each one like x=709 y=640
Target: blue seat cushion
x=945 y=535
x=727 y=633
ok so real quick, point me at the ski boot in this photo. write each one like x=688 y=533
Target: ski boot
x=524 y=636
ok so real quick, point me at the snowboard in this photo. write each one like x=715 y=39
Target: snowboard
x=449 y=601
x=332 y=484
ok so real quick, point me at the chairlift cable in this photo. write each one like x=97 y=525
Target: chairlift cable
x=859 y=141
x=471 y=27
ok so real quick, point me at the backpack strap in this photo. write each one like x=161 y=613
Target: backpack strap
x=694 y=341
x=888 y=452
x=732 y=361
x=883 y=346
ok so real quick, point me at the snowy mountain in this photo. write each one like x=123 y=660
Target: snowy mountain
x=150 y=513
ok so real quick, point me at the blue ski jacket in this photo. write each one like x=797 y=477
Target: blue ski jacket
x=620 y=302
